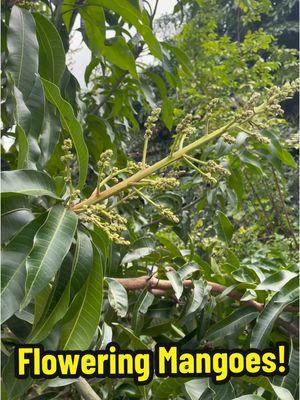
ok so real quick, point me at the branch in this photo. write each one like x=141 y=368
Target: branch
x=85 y=390
x=159 y=286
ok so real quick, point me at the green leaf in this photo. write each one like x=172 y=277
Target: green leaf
x=141 y=306
x=82 y=263
x=232 y=324
x=23 y=146
x=13 y=271
x=51 y=244
x=15 y=387
x=32 y=183
x=94 y=22
x=265 y=321
x=137 y=254
x=23 y=49
x=15 y=214
x=80 y=323
x=56 y=305
x=196 y=299
x=196 y=387
x=173 y=249
x=224 y=227
x=249 y=397
x=51 y=50
x=291 y=380
x=276 y=281
x=119 y=54
x=187 y=269
x=137 y=344
x=67 y=9
x=176 y=282
x=167 y=111
x=71 y=125
x=181 y=57
x=117 y=297
x=132 y=16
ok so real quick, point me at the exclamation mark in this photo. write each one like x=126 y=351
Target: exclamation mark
x=282 y=358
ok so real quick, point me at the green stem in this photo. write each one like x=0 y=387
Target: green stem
x=145 y=150
x=173 y=157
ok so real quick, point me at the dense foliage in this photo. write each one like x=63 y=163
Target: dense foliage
x=158 y=203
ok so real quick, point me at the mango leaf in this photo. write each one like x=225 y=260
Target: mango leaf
x=15 y=387
x=94 y=22
x=56 y=305
x=71 y=125
x=181 y=57
x=276 y=281
x=224 y=227
x=22 y=64
x=167 y=111
x=80 y=323
x=51 y=244
x=51 y=50
x=67 y=9
x=265 y=321
x=117 y=297
x=15 y=214
x=249 y=397
x=196 y=299
x=119 y=54
x=49 y=136
x=136 y=254
x=23 y=146
x=136 y=342
x=141 y=306
x=232 y=324
x=196 y=387
x=23 y=49
x=13 y=271
x=82 y=263
x=32 y=183
x=133 y=16
x=176 y=282
x=173 y=249
x=291 y=380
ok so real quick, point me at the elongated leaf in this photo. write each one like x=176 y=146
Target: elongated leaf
x=66 y=9
x=133 y=16
x=119 y=54
x=51 y=244
x=249 y=397
x=291 y=380
x=196 y=387
x=176 y=283
x=289 y=293
x=15 y=387
x=23 y=146
x=23 y=52
x=276 y=281
x=197 y=297
x=22 y=49
x=56 y=305
x=136 y=254
x=180 y=56
x=136 y=342
x=51 y=50
x=15 y=214
x=13 y=271
x=232 y=324
x=71 y=125
x=167 y=111
x=80 y=323
x=144 y=301
x=32 y=183
x=225 y=228
x=82 y=263
x=117 y=297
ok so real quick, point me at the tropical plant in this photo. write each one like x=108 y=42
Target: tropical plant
x=103 y=242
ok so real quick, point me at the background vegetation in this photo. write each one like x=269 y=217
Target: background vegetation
x=211 y=234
